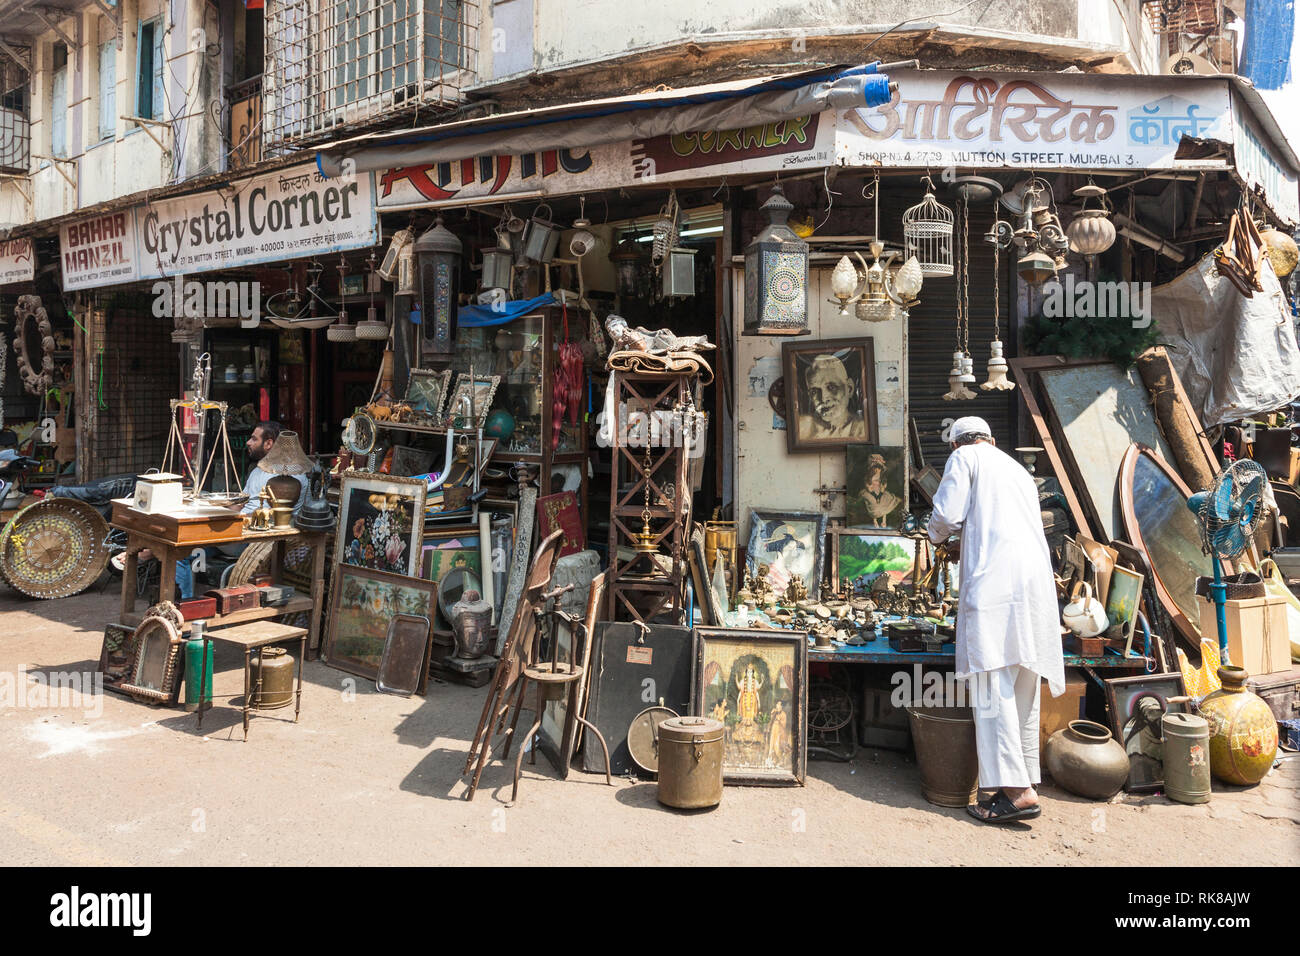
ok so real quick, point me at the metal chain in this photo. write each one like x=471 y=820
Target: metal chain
x=963 y=312
x=997 y=295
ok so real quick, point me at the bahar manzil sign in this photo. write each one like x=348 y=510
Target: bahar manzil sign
x=281 y=215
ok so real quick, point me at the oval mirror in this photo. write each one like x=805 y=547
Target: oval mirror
x=1153 y=503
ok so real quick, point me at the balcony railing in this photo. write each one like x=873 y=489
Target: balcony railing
x=335 y=62
x=245 y=133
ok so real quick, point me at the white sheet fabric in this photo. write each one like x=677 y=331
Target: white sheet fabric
x=1007 y=612
x=1006 y=727
x=1236 y=356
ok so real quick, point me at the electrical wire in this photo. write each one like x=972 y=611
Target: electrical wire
x=927 y=16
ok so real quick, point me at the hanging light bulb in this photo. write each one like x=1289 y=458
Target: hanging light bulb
x=957 y=390
x=904 y=284
x=844 y=285
x=997 y=380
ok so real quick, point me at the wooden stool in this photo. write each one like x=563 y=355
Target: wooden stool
x=252 y=637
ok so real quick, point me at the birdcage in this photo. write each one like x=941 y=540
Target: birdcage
x=927 y=234
x=1185 y=17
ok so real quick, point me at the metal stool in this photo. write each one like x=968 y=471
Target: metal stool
x=555 y=680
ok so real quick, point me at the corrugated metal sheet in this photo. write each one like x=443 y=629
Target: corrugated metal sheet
x=932 y=334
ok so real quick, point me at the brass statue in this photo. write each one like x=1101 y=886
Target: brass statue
x=263 y=517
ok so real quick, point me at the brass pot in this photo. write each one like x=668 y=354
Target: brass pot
x=1086 y=760
x=274 y=665
x=1243 y=731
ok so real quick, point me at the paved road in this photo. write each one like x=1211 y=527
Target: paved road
x=367 y=778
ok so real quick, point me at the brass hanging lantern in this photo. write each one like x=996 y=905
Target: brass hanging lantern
x=1090 y=231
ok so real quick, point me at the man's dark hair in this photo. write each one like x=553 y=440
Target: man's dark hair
x=270 y=430
x=8 y=438
x=971 y=438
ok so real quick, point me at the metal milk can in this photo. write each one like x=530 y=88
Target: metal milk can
x=1186 y=758
x=690 y=762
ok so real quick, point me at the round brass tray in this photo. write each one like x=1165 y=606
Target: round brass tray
x=54 y=548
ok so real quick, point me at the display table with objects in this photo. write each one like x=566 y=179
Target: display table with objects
x=173 y=537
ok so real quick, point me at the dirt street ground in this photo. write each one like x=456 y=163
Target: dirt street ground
x=367 y=778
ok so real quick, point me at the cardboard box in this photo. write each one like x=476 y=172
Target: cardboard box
x=1258 y=638
x=1054 y=713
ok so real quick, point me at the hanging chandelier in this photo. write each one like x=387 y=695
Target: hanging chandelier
x=1041 y=240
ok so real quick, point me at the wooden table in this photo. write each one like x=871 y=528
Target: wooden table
x=253 y=636
x=169 y=552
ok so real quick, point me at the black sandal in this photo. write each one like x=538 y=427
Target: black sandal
x=1001 y=810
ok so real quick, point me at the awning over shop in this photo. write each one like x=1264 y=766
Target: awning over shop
x=736 y=105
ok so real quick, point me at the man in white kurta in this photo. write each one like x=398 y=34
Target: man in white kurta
x=1008 y=632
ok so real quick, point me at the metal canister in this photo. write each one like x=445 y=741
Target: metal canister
x=1186 y=757
x=690 y=762
x=194 y=667
x=275 y=667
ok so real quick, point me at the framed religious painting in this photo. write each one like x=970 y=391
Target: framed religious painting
x=364 y=602
x=426 y=392
x=876 y=478
x=755 y=683
x=785 y=546
x=560 y=513
x=381 y=522
x=830 y=394
x=474 y=395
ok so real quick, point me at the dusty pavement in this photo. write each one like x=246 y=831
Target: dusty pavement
x=375 y=779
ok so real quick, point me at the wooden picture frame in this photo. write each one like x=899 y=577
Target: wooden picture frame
x=885 y=467
x=482 y=388
x=426 y=392
x=705 y=598
x=362 y=605
x=1122 y=603
x=116 y=654
x=1122 y=696
x=830 y=394
x=756 y=683
x=380 y=522
x=808 y=531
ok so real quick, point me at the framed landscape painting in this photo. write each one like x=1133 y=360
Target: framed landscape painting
x=364 y=603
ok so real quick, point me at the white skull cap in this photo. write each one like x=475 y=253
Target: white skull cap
x=967 y=425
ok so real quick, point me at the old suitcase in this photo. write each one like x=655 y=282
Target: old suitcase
x=241 y=597
x=1281 y=691
x=630 y=672
x=197 y=609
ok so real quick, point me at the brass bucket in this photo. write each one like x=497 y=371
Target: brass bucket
x=944 y=738
x=690 y=762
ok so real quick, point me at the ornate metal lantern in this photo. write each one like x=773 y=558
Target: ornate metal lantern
x=498 y=268
x=627 y=264
x=776 y=275
x=437 y=258
x=542 y=237
x=1091 y=232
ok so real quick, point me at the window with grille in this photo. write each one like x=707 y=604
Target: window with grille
x=15 y=131
x=330 y=62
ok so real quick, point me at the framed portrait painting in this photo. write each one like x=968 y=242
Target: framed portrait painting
x=1124 y=696
x=364 y=603
x=381 y=521
x=755 y=683
x=426 y=391
x=876 y=478
x=830 y=394
x=784 y=545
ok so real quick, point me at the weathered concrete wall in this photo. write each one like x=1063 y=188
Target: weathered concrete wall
x=766 y=475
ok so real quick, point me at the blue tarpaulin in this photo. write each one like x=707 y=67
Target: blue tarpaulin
x=480 y=316
x=1266 y=49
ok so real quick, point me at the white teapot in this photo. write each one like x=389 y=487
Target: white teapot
x=1084 y=616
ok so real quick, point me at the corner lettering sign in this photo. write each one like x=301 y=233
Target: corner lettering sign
x=1062 y=121
x=268 y=218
